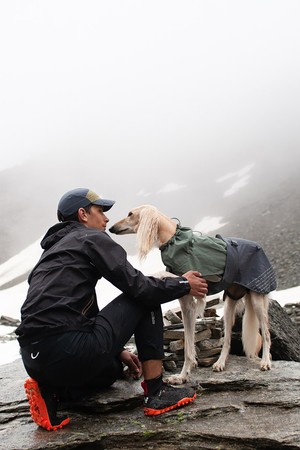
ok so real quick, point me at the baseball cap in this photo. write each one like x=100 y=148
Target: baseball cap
x=72 y=200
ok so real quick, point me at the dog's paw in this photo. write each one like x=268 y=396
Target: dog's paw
x=265 y=365
x=176 y=379
x=218 y=367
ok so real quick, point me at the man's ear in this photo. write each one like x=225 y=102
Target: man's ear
x=82 y=215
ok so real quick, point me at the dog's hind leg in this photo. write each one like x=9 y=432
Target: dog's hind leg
x=251 y=337
x=189 y=312
x=260 y=305
x=229 y=319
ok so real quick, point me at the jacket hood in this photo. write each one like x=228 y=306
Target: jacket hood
x=57 y=232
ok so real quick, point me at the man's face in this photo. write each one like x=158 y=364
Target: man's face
x=95 y=218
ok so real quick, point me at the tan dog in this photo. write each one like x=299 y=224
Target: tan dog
x=154 y=229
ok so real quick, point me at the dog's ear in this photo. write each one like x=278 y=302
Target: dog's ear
x=147 y=230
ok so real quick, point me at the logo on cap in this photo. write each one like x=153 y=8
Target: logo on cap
x=92 y=196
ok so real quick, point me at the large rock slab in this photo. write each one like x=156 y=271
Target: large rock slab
x=241 y=408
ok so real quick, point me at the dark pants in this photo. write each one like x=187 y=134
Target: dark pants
x=78 y=362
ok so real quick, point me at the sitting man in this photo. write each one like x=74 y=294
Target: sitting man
x=69 y=348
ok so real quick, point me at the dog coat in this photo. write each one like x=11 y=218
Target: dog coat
x=234 y=260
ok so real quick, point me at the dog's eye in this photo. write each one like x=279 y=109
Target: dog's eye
x=129 y=214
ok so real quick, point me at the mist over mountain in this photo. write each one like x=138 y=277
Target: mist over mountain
x=258 y=198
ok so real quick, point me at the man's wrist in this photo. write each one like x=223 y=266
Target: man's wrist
x=184 y=281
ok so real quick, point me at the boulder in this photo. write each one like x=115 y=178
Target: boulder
x=285 y=335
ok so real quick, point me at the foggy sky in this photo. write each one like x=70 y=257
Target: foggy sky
x=153 y=94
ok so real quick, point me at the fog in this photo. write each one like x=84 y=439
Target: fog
x=131 y=76
x=167 y=102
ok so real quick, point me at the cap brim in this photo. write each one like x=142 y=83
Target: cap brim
x=104 y=203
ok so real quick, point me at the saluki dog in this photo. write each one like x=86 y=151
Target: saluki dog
x=238 y=267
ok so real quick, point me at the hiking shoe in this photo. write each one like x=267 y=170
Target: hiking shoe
x=43 y=408
x=168 y=397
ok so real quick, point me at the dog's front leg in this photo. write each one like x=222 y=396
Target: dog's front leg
x=189 y=311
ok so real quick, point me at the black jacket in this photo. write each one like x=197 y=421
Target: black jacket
x=61 y=294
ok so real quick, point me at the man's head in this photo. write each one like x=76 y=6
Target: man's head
x=75 y=199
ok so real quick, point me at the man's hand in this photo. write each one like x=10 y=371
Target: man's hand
x=133 y=363
x=198 y=285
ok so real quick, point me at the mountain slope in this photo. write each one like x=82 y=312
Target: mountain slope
x=266 y=210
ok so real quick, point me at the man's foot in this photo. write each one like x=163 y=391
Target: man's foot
x=168 y=398
x=43 y=408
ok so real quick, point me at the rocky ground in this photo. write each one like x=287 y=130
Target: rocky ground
x=239 y=409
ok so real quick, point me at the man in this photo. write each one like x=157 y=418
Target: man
x=69 y=348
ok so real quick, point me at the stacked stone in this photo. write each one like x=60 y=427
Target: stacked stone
x=208 y=337
x=293 y=310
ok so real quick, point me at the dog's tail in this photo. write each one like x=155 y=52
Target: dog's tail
x=251 y=338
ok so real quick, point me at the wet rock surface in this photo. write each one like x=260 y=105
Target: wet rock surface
x=241 y=408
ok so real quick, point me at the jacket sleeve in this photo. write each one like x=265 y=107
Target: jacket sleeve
x=110 y=260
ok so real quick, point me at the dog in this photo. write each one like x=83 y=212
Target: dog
x=236 y=266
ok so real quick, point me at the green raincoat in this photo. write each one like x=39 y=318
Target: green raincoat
x=190 y=250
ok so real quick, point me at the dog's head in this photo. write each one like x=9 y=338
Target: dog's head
x=143 y=221
x=135 y=220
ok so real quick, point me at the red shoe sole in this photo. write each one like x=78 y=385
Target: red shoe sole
x=182 y=402
x=38 y=408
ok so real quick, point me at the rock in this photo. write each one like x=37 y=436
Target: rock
x=241 y=408
x=9 y=321
x=172 y=317
x=293 y=310
x=285 y=336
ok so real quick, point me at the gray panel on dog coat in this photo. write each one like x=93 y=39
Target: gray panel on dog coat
x=234 y=260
